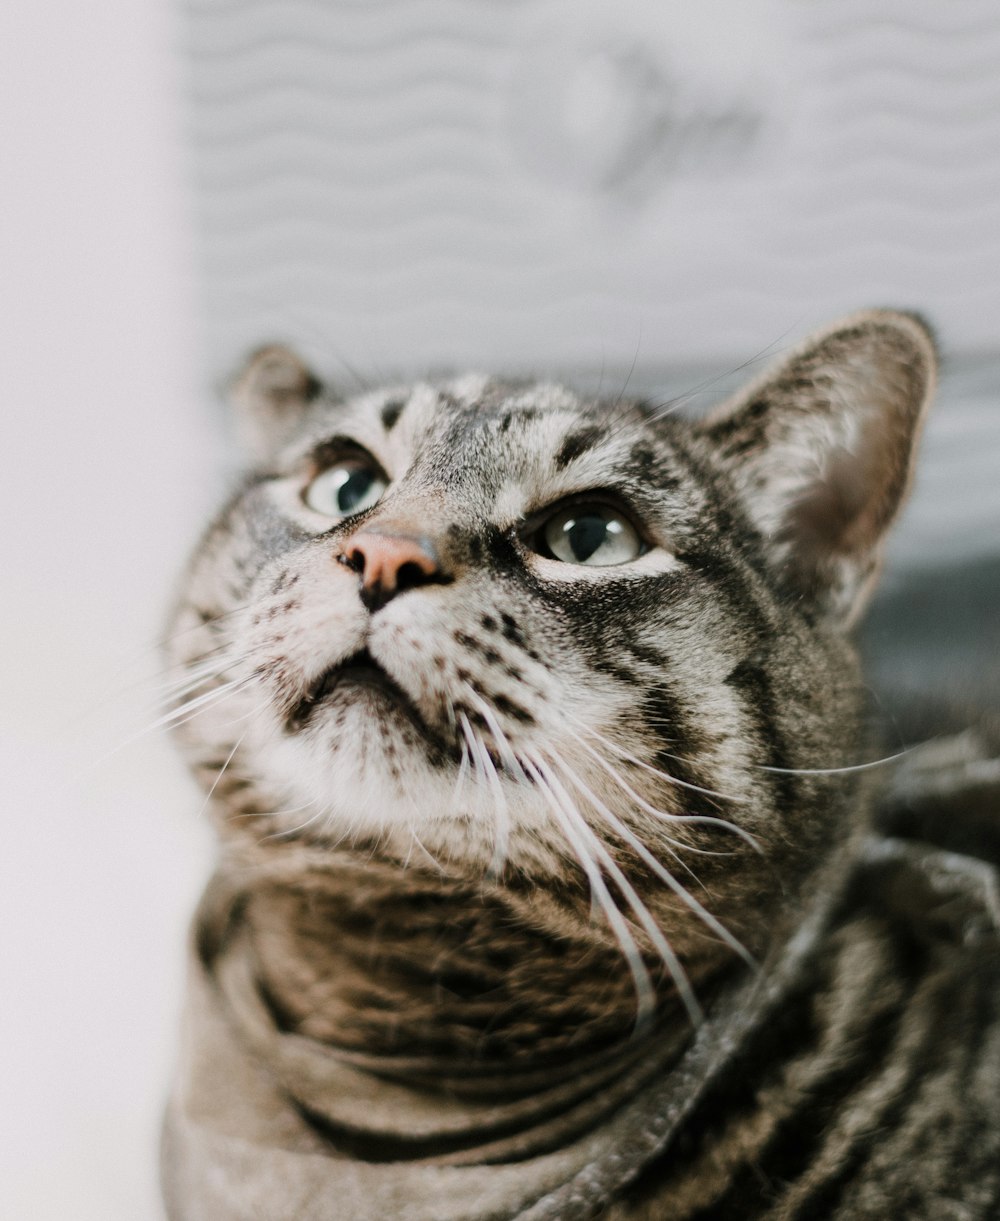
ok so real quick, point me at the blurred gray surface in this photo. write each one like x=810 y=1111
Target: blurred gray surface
x=932 y=637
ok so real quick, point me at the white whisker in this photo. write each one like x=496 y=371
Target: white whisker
x=288 y=832
x=671 y=844
x=504 y=748
x=628 y=892
x=660 y=869
x=141 y=654
x=661 y=775
x=470 y=743
x=689 y=819
x=835 y=771
x=461 y=778
x=222 y=770
x=510 y=762
x=195 y=675
x=191 y=708
x=501 y=814
x=415 y=839
x=201 y=625
x=675 y=846
x=645 y=996
x=175 y=718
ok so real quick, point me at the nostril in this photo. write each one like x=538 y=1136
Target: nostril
x=353 y=559
x=388 y=564
x=411 y=574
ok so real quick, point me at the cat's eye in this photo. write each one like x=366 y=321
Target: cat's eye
x=593 y=534
x=347 y=487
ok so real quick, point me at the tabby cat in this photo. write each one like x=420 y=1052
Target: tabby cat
x=550 y=884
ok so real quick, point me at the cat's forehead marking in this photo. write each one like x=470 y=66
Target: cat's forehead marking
x=508 y=449
x=515 y=449
x=566 y=453
x=407 y=417
x=420 y=411
x=392 y=409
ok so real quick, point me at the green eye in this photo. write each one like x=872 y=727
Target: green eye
x=595 y=534
x=348 y=487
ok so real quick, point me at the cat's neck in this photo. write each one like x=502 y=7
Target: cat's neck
x=413 y=968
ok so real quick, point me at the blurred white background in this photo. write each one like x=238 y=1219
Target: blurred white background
x=108 y=468
x=393 y=185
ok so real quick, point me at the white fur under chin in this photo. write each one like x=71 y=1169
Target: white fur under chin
x=339 y=790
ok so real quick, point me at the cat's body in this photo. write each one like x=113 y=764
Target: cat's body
x=544 y=887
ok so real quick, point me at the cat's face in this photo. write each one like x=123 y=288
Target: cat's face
x=503 y=628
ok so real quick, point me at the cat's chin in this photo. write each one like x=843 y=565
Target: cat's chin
x=357 y=680
x=349 y=779
x=355 y=716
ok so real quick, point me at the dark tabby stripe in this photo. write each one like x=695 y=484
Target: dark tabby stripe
x=750 y=679
x=576 y=444
x=391 y=412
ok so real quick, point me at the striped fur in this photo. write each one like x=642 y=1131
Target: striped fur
x=565 y=813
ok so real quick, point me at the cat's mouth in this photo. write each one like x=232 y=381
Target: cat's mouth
x=360 y=670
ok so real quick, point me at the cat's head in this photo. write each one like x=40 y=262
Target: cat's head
x=502 y=628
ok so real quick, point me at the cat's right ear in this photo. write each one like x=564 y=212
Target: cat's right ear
x=821 y=451
x=272 y=394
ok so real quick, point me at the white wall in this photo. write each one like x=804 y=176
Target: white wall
x=522 y=182
x=106 y=452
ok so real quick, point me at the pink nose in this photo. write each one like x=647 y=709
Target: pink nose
x=388 y=564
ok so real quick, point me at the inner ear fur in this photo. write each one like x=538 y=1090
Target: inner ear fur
x=271 y=394
x=821 y=451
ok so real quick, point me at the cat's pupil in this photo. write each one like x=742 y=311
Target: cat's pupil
x=586 y=534
x=346 y=489
x=354 y=489
x=590 y=534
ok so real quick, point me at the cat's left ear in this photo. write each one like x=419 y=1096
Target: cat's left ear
x=822 y=448
x=272 y=394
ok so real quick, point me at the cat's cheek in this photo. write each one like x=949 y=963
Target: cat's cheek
x=338 y=786
x=304 y=617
